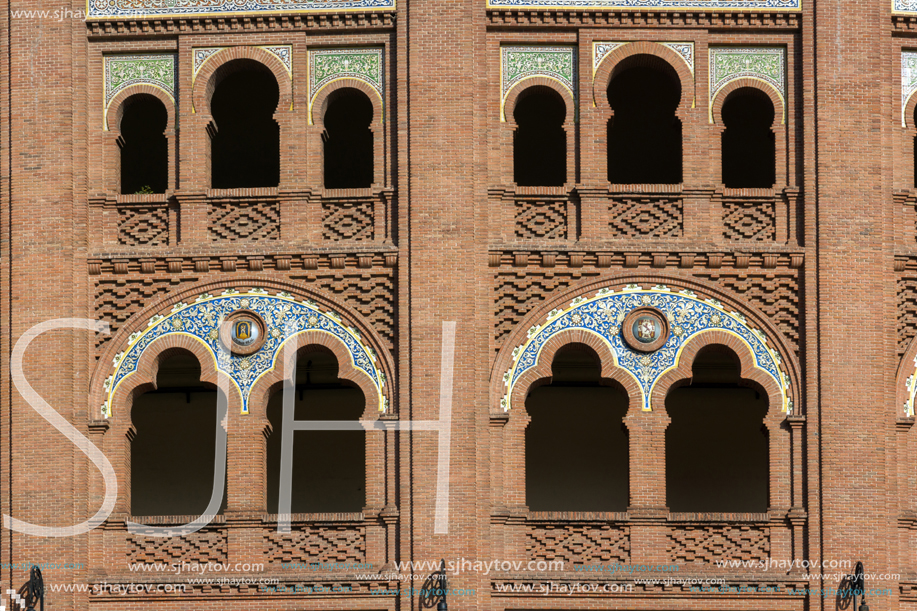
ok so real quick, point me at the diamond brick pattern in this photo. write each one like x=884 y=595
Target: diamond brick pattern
x=316 y=543
x=541 y=219
x=750 y=221
x=654 y=217
x=707 y=544
x=244 y=222
x=348 y=220
x=203 y=546
x=578 y=543
x=143 y=226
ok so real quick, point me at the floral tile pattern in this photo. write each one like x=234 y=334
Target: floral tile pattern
x=522 y=62
x=663 y=5
x=139 y=9
x=908 y=80
x=284 y=317
x=688 y=316
x=122 y=71
x=728 y=64
x=363 y=64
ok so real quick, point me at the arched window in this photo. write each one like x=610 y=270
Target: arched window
x=173 y=451
x=540 y=142
x=749 y=148
x=246 y=143
x=576 y=447
x=348 y=140
x=329 y=467
x=716 y=443
x=144 y=148
x=644 y=135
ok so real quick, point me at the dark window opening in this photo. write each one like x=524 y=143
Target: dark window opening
x=329 y=467
x=246 y=143
x=348 y=140
x=144 y=147
x=716 y=443
x=576 y=446
x=749 y=147
x=644 y=135
x=172 y=455
x=915 y=149
x=540 y=142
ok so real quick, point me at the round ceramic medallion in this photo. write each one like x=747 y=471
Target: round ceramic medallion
x=645 y=329
x=243 y=332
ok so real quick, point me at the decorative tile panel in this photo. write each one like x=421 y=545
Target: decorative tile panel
x=601 y=50
x=519 y=63
x=328 y=65
x=145 y=9
x=283 y=317
x=908 y=80
x=766 y=64
x=685 y=51
x=122 y=71
x=284 y=53
x=657 y=5
x=904 y=6
x=688 y=316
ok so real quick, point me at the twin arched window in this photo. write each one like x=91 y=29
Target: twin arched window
x=577 y=448
x=644 y=133
x=245 y=137
x=173 y=446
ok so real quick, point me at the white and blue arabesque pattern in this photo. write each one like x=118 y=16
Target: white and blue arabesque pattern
x=687 y=314
x=785 y=5
x=283 y=316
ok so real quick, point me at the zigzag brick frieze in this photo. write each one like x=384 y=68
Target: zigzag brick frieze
x=708 y=544
x=907 y=312
x=578 y=544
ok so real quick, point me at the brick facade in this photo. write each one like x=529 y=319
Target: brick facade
x=822 y=266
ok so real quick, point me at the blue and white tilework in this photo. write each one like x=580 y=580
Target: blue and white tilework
x=689 y=315
x=284 y=317
x=145 y=9
x=661 y=5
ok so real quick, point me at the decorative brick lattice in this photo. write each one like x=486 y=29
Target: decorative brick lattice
x=143 y=226
x=316 y=543
x=907 y=313
x=372 y=294
x=244 y=222
x=116 y=299
x=707 y=544
x=775 y=295
x=202 y=546
x=517 y=294
x=654 y=217
x=348 y=220
x=751 y=221
x=541 y=219
x=578 y=543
